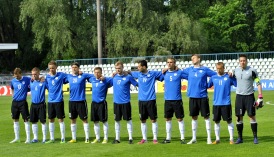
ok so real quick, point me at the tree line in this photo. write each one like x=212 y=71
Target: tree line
x=67 y=29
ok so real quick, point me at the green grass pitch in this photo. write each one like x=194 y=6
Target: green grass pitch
x=264 y=148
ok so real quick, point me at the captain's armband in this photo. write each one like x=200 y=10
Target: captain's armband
x=258 y=81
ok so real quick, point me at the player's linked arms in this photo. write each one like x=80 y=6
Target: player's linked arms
x=166 y=69
x=102 y=78
x=113 y=74
x=41 y=79
x=124 y=73
x=230 y=74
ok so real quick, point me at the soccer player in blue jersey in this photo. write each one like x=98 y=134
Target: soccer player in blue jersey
x=99 y=106
x=197 y=93
x=20 y=87
x=173 y=99
x=77 y=100
x=222 y=83
x=245 y=99
x=121 y=100
x=38 y=105
x=147 y=98
x=55 y=81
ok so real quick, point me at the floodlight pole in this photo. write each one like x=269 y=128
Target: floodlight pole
x=99 y=32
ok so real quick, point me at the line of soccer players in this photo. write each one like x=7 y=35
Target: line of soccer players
x=196 y=75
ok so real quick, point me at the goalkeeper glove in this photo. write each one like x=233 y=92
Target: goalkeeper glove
x=259 y=102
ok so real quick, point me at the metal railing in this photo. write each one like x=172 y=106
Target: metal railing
x=5 y=79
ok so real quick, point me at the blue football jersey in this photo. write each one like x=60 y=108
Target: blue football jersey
x=20 y=88
x=121 y=88
x=146 y=84
x=197 y=81
x=222 y=87
x=55 y=87
x=77 y=86
x=173 y=84
x=37 y=90
x=100 y=88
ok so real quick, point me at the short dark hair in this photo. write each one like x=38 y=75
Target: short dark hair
x=197 y=55
x=75 y=63
x=221 y=63
x=98 y=68
x=243 y=55
x=143 y=63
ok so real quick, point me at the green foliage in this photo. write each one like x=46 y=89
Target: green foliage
x=48 y=22
x=66 y=26
x=185 y=36
x=162 y=51
x=264 y=25
x=12 y=32
x=138 y=30
x=136 y=25
x=240 y=25
x=67 y=29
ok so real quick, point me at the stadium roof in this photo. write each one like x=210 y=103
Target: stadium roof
x=8 y=46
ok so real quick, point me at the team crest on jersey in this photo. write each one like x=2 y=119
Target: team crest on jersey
x=101 y=81
x=79 y=76
x=175 y=74
x=23 y=82
x=56 y=78
x=40 y=84
x=74 y=80
x=225 y=78
x=148 y=75
x=124 y=78
x=200 y=71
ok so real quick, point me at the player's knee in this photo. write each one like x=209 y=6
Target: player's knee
x=207 y=117
x=73 y=121
x=252 y=120
x=229 y=121
x=239 y=119
x=84 y=121
x=153 y=121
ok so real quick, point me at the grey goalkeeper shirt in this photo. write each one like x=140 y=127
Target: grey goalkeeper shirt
x=245 y=78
